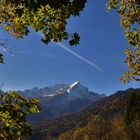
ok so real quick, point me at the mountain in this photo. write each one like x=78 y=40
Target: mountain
x=116 y=117
x=61 y=99
x=43 y=92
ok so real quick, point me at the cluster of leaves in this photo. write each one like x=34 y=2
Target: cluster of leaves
x=129 y=11
x=1 y=58
x=13 y=112
x=47 y=16
x=3 y=45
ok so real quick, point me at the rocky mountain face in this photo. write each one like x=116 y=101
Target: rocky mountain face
x=61 y=99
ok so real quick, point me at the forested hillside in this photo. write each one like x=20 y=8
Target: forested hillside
x=114 y=118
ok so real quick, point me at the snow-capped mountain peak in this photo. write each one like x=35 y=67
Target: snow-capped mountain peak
x=72 y=86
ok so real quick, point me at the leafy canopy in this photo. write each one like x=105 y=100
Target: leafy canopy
x=129 y=12
x=48 y=16
x=13 y=112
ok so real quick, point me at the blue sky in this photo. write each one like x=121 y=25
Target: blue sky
x=102 y=43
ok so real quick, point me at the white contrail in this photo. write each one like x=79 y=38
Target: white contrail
x=76 y=54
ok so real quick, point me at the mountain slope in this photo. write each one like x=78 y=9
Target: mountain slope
x=61 y=99
x=116 y=117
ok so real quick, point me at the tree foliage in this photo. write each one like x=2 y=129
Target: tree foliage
x=129 y=12
x=13 y=112
x=47 y=16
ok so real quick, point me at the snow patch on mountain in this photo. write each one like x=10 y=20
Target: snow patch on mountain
x=72 y=86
